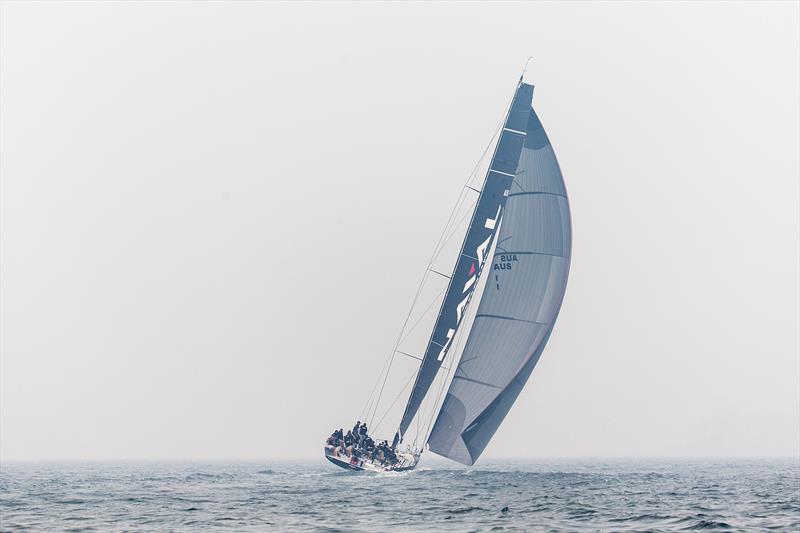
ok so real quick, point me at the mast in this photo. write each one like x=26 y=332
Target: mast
x=474 y=249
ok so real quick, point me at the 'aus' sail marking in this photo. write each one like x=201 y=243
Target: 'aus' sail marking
x=504 y=262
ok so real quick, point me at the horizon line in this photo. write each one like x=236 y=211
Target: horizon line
x=220 y=460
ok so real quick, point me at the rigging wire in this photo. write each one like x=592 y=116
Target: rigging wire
x=452 y=234
x=425 y=312
x=368 y=406
x=399 y=394
x=396 y=344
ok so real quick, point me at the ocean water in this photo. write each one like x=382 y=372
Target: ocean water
x=545 y=495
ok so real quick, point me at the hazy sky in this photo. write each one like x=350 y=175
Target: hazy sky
x=214 y=218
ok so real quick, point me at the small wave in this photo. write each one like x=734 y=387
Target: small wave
x=693 y=518
x=708 y=524
x=580 y=512
x=203 y=475
x=464 y=510
x=191 y=500
x=640 y=518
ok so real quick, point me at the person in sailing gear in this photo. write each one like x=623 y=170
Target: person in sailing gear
x=335 y=437
x=348 y=439
x=388 y=453
x=382 y=452
x=340 y=450
x=363 y=430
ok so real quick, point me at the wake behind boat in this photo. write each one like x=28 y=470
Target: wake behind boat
x=521 y=219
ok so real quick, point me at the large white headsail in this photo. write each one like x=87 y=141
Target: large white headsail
x=520 y=303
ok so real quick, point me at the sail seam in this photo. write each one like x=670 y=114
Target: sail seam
x=535 y=192
x=478 y=382
x=503 y=317
x=535 y=253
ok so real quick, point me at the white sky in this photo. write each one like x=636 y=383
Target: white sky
x=215 y=216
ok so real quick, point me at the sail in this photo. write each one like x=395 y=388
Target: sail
x=520 y=302
x=477 y=243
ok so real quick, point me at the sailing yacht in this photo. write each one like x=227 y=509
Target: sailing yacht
x=518 y=243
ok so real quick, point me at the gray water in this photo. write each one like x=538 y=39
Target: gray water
x=545 y=495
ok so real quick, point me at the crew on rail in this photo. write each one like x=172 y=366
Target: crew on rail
x=357 y=443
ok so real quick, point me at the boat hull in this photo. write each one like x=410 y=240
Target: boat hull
x=407 y=462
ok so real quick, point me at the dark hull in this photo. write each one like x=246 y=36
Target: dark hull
x=342 y=464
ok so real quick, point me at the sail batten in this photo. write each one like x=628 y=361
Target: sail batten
x=474 y=250
x=518 y=308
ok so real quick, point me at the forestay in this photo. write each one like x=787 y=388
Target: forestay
x=521 y=300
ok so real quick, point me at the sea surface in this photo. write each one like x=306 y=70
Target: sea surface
x=511 y=495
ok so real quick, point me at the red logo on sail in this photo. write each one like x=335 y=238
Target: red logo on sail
x=471 y=269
